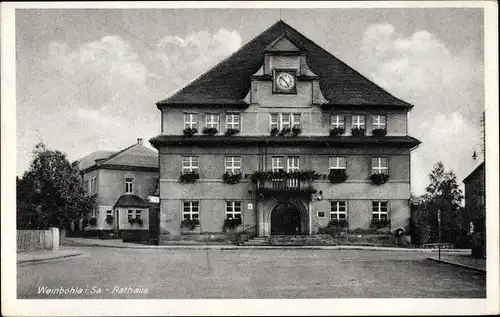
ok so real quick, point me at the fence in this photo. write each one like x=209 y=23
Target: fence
x=30 y=240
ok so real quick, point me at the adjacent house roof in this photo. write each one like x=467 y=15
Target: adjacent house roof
x=89 y=160
x=228 y=82
x=130 y=200
x=134 y=156
x=474 y=172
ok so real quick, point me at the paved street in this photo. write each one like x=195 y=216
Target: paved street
x=164 y=274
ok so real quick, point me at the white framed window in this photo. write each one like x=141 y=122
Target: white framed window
x=190 y=120
x=233 y=209
x=189 y=164
x=379 y=210
x=358 y=121
x=338 y=121
x=212 y=120
x=129 y=185
x=292 y=163
x=285 y=120
x=380 y=165
x=92 y=185
x=379 y=122
x=233 y=164
x=274 y=123
x=233 y=120
x=296 y=120
x=138 y=213
x=337 y=162
x=130 y=214
x=190 y=210
x=278 y=163
x=338 y=209
x=109 y=212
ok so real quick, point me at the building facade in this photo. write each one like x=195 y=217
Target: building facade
x=287 y=138
x=123 y=183
x=475 y=196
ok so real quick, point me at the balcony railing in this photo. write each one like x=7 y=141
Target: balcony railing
x=284 y=186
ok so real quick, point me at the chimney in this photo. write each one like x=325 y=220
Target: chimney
x=139 y=141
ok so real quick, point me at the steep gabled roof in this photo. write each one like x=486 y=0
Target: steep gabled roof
x=474 y=172
x=229 y=81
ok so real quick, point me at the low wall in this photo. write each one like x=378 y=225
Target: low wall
x=31 y=240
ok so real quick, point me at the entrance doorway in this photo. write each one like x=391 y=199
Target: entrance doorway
x=285 y=219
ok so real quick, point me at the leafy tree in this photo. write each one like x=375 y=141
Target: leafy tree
x=50 y=194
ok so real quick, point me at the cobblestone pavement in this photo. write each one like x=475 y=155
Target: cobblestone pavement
x=163 y=274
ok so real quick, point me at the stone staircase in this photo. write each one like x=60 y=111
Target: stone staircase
x=291 y=240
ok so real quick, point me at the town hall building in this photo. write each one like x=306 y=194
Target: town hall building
x=282 y=138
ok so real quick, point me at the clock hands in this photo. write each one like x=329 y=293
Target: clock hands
x=287 y=85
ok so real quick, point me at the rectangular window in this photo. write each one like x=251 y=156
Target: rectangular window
x=109 y=212
x=212 y=121
x=233 y=164
x=321 y=214
x=233 y=121
x=379 y=122
x=337 y=162
x=296 y=120
x=129 y=182
x=338 y=209
x=379 y=210
x=285 y=121
x=338 y=121
x=278 y=163
x=130 y=213
x=380 y=165
x=358 y=121
x=92 y=183
x=233 y=209
x=292 y=163
x=190 y=120
x=87 y=186
x=190 y=210
x=189 y=164
x=138 y=214
x=274 y=121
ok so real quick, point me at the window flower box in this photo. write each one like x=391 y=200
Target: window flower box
x=190 y=131
x=296 y=131
x=139 y=221
x=190 y=224
x=342 y=223
x=274 y=132
x=285 y=131
x=380 y=223
x=109 y=219
x=231 y=132
x=379 y=132
x=210 y=131
x=379 y=179
x=358 y=132
x=131 y=220
x=230 y=178
x=93 y=221
x=337 y=176
x=189 y=177
x=231 y=223
x=336 y=131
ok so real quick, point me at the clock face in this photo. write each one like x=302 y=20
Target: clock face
x=285 y=81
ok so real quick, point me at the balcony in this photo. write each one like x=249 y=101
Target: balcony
x=272 y=184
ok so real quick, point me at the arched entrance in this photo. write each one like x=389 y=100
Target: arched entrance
x=285 y=219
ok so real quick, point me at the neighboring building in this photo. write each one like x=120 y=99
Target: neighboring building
x=279 y=81
x=123 y=183
x=475 y=196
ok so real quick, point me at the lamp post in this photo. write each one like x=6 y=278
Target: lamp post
x=439 y=233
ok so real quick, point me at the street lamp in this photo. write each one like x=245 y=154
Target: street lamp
x=439 y=233
x=474 y=155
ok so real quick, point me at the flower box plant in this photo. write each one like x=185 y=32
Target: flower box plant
x=296 y=131
x=109 y=219
x=231 y=223
x=274 y=131
x=131 y=220
x=230 y=132
x=190 y=224
x=379 y=132
x=190 y=131
x=336 y=131
x=380 y=223
x=231 y=178
x=337 y=176
x=189 y=177
x=285 y=131
x=358 y=132
x=210 y=131
x=338 y=223
x=379 y=178
x=139 y=221
x=93 y=221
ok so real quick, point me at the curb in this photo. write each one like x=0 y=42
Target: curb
x=457 y=264
x=48 y=259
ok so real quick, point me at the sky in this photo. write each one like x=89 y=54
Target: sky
x=88 y=79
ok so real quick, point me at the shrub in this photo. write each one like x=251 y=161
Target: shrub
x=336 y=131
x=337 y=176
x=358 y=132
x=109 y=219
x=230 y=132
x=210 y=131
x=190 y=131
x=338 y=223
x=85 y=222
x=93 y=221
x=139 y=221
x=190 y=224
x=379 y=178
x=380 y=223
x=231 y=223
x=379 y=132
x=296 y=131
x=189 y=177
x=274 y=131
x=285 y=131
x=230 y=178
